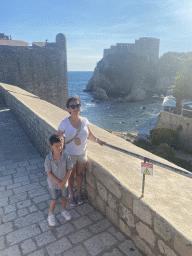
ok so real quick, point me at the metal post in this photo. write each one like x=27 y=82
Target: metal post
x=143 y=185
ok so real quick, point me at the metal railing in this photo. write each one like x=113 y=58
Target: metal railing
x=179 y=171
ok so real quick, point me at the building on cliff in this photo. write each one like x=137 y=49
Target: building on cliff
x=40 y=69
x=145 y=46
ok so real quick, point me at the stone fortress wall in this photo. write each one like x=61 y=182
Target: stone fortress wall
x=160 y=223
x=145 y=46
x=40 y=69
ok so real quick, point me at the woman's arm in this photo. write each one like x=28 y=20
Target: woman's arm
x=92 y=137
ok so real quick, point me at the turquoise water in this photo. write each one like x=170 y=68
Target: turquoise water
x=112 y=115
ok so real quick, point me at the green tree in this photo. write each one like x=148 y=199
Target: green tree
x=183 y=81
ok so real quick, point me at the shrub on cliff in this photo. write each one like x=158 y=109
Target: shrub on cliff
x=165 y=151
x=165 y=135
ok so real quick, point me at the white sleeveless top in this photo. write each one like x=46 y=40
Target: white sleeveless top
x=70 y=132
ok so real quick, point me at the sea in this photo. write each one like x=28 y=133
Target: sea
x=127 y=117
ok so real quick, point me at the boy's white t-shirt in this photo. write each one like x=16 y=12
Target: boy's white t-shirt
x=71 y=148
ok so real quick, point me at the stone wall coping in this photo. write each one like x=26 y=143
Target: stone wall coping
x=167 y=194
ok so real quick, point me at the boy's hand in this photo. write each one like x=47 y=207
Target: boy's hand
x=62 y=184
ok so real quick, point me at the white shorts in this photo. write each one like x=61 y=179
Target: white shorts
x=79 y=158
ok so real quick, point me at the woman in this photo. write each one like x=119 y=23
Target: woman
x=76 y=131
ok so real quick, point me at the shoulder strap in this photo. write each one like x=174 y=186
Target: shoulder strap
x=78 y=130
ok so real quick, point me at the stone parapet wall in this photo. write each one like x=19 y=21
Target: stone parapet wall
x=39 y=70
x=160 y=223
x=173 y=121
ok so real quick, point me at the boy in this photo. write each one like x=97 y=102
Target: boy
x=58 y=166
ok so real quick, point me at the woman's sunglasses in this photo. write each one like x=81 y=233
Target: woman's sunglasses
x=75 y=106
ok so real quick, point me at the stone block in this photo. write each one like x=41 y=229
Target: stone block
x=117 y=234
x=100 y=226
x=18 y=197
x=112 y=202
x=88 y=165
x=78 y=250
x=64 y=230
x=112 y=216
x=58 y=247
x=8 y=177
x=102 y=191
x=29 y=187
x=100 y=204
x=45 y=238
x=95 y=216
x=114 y=252
x=28 y=246
x=105 y=178
x=8 y=217
x=162 y=229
x=85 y=209
x=99 y=243
x=6 y=183
x=37 y=192
x=182 y=246
x=6 y=193
x=29 y=219
x=140 y=244
x=129 y=249
x=126 y=214
x=90 y=179
x=14 y=186
x=24 y=204
x=23 y=212
x=82 y=222
x=79 y=236
x=165 y=249
x=3 y=201
x=20 y=179
x=142 y=212
x=42 y=198
x=124 y=228
x=22 y=234
x=14 y=250
x=146 y=233
x=31 y=167
x=38 y=253
x=2 y=243
x=9 y=208
x=91 y=192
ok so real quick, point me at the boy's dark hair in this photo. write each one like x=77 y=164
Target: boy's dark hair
x=72 y=98
x=55 y=138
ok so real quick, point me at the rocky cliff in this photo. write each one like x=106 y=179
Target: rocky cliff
x=127 y=77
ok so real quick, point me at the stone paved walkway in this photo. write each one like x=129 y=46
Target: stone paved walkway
x=24 y=203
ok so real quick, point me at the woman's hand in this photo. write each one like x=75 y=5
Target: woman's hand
x=100 y=142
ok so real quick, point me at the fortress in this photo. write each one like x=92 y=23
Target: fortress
x=40 y=69
x=145 y=46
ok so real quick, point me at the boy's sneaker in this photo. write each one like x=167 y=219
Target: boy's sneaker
x=79 y=199
x=66 y=215
x=72 y=201
x=51 y=220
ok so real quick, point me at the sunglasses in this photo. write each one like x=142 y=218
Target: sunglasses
x=75 y=106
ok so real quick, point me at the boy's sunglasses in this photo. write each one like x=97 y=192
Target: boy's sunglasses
x=75 y=106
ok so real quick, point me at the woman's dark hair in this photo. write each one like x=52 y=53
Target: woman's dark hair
x=72 y=98
x=55 y=138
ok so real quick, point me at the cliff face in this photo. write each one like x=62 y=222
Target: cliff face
x=127 y=76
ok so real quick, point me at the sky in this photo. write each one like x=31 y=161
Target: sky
x=90 y=26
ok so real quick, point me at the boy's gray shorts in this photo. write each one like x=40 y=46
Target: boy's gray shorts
x=56 y=193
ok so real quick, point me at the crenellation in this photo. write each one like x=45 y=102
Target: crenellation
x=147 y=47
